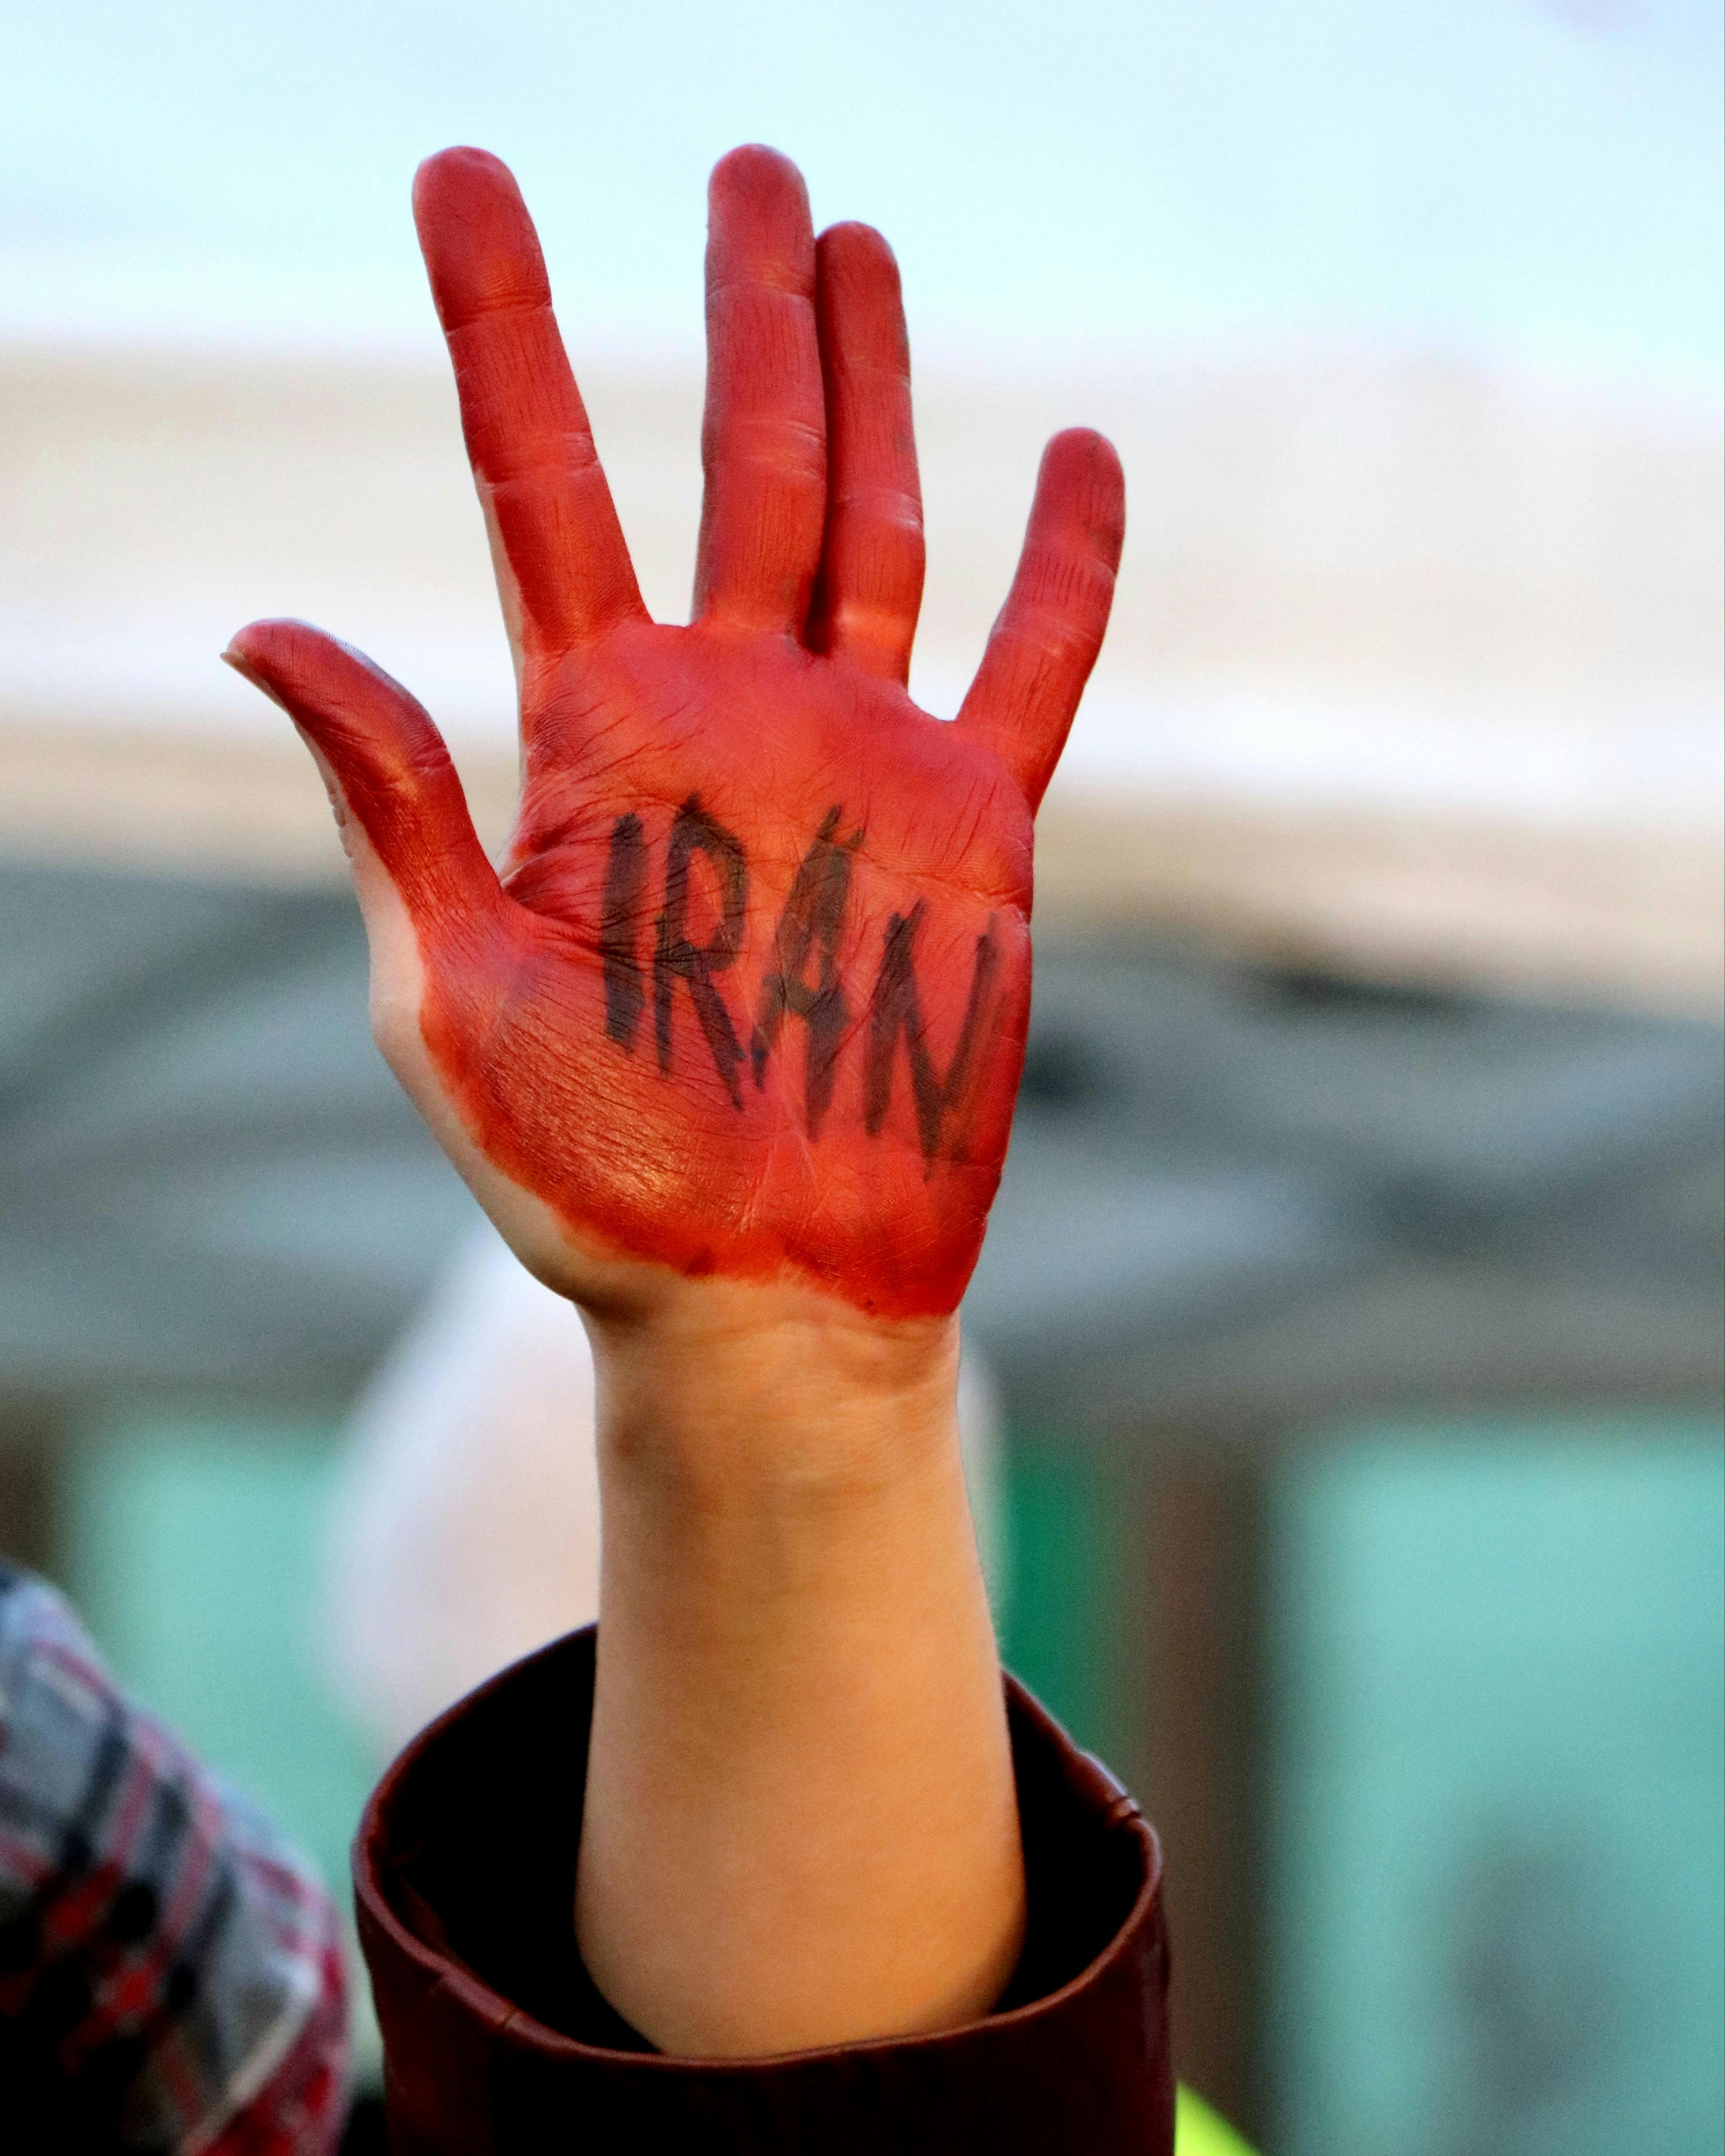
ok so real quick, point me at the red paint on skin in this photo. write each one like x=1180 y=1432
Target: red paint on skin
x=782 y=702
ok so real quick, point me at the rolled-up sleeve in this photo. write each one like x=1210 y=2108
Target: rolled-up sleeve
x=496 y=2042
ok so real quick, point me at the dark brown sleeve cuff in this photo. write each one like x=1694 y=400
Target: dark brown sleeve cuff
x=495 y=2042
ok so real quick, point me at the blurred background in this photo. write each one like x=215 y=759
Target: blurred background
x=1353 y=1298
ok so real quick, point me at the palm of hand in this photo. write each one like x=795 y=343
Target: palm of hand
x=750 y=996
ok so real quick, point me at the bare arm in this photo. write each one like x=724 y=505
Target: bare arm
x=800 y=1823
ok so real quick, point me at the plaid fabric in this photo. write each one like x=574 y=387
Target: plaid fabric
x=171 y=1971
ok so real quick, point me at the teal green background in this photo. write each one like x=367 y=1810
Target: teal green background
x=1498 y=1795
x=1059 y=1623
x=190 y=1547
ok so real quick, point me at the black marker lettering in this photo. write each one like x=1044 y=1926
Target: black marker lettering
x=896 y=1008
x=676 y=958
x=619 y=927
x=812 y=914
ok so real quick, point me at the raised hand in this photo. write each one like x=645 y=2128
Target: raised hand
x=748 y=998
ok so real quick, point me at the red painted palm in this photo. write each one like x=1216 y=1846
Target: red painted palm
x=749 y=997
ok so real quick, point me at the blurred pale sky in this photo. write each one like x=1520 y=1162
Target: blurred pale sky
x=1533 y=183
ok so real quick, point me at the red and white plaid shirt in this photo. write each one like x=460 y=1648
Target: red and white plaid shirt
x=171 y=1969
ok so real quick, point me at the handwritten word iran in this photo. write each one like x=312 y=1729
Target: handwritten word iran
x=802 y=982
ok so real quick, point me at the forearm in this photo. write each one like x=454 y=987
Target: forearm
x=800 y=1826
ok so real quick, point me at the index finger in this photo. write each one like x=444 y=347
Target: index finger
x=563 y=570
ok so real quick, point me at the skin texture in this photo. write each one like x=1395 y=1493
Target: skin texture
x=728 y=1049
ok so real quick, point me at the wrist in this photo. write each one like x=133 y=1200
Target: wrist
x=732 y=1394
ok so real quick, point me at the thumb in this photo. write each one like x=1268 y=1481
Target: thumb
x=385 y=766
